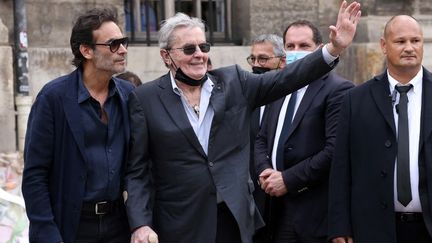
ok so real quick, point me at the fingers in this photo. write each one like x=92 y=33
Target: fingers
x=153 y=238
x=357 y=17
x=346 y=239
x=343 y=7
x=353 y=10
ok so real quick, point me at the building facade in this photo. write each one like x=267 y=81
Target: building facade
x=230 y=24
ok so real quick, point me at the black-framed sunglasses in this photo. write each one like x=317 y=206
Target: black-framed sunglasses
x=191 y=49
x=114 y=45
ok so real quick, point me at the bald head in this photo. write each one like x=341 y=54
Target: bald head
x=402 y=44
x=397 y=20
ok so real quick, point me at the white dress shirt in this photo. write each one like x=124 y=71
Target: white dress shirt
x=281 y=119
x=414 y=121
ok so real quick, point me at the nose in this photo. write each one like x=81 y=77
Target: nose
x=198 y=52
x=122 y=49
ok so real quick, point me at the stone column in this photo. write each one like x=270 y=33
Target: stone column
x=7 y=111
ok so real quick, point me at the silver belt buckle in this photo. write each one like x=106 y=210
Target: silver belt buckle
x=97 y=208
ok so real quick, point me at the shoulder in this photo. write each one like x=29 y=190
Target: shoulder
x=153 y=87
x=124 y=86
x=59 y=85
x=228 y=71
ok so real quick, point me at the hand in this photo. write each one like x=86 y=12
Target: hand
x=343 y=33
x=345 y=239
x=274 y=184
x=144 y=234
x=264 y=175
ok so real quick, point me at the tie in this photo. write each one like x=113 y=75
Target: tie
x=284 y=133
x=403 y=172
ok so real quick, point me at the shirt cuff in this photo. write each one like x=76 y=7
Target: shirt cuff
x=328 y=58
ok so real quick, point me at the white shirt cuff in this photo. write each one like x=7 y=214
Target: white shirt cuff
x=328 y=58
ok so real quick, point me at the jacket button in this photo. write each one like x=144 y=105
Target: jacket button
x=387 y=144
x=383 y=174
x=210 y=164
x=383 y=205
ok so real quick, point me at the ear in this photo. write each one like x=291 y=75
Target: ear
x=165 y=56
x=383 y=45
x=86 y=51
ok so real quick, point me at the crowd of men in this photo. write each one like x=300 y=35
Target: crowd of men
x=290 y=152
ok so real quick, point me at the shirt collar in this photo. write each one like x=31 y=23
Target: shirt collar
x=207 y=85
x=83 y=93
x=416 y=81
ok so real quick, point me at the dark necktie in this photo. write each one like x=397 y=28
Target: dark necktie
x=284 y=133
x=403 y=171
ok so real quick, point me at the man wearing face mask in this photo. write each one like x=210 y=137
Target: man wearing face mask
x=267 y=53
x=294 y=147
x=187 y=175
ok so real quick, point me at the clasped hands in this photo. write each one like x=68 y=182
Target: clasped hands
x=272 y=183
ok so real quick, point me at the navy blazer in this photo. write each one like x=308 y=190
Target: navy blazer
x=185 y=178
x=361 y=202
x=308 y=152
x=55 y=161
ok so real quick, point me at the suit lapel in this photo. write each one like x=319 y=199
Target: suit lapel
x=217 y=101
x=381 y=94
x=272 y=120
x=72 y=113
x=174 y=107
x=426 y=107
x=306 y=101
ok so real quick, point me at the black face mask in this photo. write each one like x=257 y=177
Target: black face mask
x=260 y=70
x=182 y=77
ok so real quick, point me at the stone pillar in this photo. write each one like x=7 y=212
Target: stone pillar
x=7 y=111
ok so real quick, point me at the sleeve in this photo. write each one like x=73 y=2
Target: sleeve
x=261 y=89
x=137 y=178
x=261 y=155
x=38 y=159
x=340 y=178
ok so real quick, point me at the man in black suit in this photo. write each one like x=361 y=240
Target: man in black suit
x=380 y=181
x=293 y=163
x=267 y=53
x=193 y=127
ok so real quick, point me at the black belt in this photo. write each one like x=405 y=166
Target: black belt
x=409 y=217
x=100 y=208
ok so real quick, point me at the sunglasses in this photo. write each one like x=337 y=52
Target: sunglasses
x=114 y=45
x=191 y=49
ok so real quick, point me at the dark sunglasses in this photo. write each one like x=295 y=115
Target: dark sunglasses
x=191 y=49
x=114 y=45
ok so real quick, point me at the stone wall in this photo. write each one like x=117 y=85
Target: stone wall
x=7 y=110
x=50 y=22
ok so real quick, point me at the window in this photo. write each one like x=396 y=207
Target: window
x=215 y=13
x=142 y=20
x=144 y=16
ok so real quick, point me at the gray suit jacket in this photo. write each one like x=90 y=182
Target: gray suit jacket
x=171 y=182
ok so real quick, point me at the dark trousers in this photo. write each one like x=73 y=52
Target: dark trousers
x=227 y=228
x=286 y=232
x=108 y=228
x=412 y=231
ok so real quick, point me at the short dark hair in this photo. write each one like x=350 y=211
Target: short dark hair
x=316 y=34
x=131 y=77
x=82 y=31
